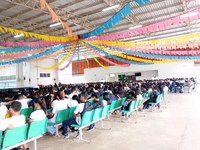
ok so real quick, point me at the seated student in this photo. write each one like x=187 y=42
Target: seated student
x=39 y=113
x=79 y=111
x=23 y=101
x=3 y=111
x=74 y=101
x=56 y=105
x=127 y=103
x=96 y=104
x=16 y=120
x=152 y=99
x=64 y=100
x=106 y=98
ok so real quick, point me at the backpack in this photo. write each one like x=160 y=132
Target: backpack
x=97 y=104
x=87 y=107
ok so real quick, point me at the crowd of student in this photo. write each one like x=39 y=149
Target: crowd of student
x=59 y=97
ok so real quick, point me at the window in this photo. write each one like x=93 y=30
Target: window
x=45 y=75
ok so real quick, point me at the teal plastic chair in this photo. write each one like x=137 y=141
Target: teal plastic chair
x=131 y=107
x=123 y=100
x=97 y=114
x=15 y=136
x=37 y=128
x=71 y=112
x=60 y=117
x=86 y=119
x=112 y=106
x=0 y=138
x=118 y=104
x=26 y=112
x=105 y=111
x=158 y=99
x=49 y=110
x=101 y=98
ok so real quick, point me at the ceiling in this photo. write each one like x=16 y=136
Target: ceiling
x=84 y=15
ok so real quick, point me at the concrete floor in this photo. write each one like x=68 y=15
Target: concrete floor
x=177 y=127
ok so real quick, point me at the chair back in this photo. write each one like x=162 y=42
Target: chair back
x=37 y=128
x=15 y=136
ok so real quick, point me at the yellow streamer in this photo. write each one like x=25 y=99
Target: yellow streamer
x=62 y=61
x=171 y=40
x=39 y=36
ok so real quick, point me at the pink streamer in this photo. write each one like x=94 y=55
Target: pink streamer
x=158 y=26
x=70 y=61
x=31 y=44
x=167 y=52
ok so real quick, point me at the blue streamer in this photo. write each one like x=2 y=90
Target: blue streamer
x=142 y=2
x=125 y=11
x=49 y=51
x=77 y=61
x=19 y=49
x=117 y=58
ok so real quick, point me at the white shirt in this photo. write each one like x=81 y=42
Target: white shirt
x=139 y=97
x=38 y=115
x=3 y=111
x=56 y=105
x=78 y=110
x=104 y=102
x=15 y=121
x=24 y=103
x=65 y=103
x=72 y=103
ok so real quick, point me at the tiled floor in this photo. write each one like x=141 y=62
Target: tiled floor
x=177 y=127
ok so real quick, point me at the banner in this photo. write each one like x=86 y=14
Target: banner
x=77 y=61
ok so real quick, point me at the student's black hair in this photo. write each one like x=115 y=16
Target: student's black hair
x=75 y=97
x=16 y=106
x=96 y=95
x=41 y=103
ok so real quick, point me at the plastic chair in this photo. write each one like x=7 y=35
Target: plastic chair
x=37 y=128
x=97 y=114
x=0 y=138
x=60 y=117
x=26 y=112
x=105 y=111
x=71 y=112
x=49 y=110
x=131 y=108
x=112 y=106
x=86 y=120
x=123 y=100
x=15 y=136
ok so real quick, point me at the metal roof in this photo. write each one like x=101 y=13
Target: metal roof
x=85 y=15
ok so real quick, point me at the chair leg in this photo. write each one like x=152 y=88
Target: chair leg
x=102 y=126
x=81 y=137
x=57 y=132
x=35 y=144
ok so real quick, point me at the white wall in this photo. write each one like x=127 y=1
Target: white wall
x=167 y=70
x=66 y=76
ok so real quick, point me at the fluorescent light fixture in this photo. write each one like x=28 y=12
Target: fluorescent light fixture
x=3 y=60
x=189 y=14
x=18 y=35
x=112 y=7
x=135 y=27
x=29 y=55
x=2 y=52
x=55 y=24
